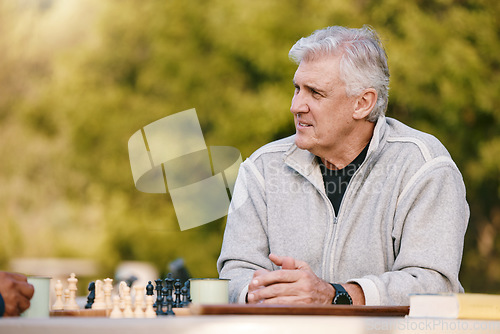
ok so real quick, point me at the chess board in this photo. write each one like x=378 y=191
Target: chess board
x=171 y=294
x=173 y=299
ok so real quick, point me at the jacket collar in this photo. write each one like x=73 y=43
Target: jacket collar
x=305 y=163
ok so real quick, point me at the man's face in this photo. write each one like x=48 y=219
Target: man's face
x=323 y=113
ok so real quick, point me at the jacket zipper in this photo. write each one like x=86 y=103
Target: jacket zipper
x=331 y=244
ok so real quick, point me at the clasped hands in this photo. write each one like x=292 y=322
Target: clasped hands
x=295 y=283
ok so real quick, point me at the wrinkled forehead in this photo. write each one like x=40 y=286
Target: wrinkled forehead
x=320 y=65
x=321 y=72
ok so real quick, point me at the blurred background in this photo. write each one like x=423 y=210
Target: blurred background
x=79 y=77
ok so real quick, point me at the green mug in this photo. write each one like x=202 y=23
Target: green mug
x=209 y=290
x=39 y=303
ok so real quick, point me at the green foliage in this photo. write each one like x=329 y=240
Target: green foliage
x=68 y=108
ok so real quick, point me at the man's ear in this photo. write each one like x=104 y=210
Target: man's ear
x=365 y=103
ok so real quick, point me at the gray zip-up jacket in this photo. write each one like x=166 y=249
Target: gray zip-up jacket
x=399 y=230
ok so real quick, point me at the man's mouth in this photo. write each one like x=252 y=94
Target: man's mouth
x=304 y=124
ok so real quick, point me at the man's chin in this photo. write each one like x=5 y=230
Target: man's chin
x=302 y=144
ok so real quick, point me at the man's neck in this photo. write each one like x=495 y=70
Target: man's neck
x=349 y=149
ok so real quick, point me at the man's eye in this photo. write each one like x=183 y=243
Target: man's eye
x=315 y=93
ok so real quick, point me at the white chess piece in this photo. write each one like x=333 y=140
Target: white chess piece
x=59 y=304
x=99 y=303
x=121 y=292
x=66 y=298
x=127 y=311
x=71 y=303
x=150 y=312
x=108 y=287
x=116 y=312
x=139 y=301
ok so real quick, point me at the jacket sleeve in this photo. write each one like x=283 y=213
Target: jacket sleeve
x=429 y=228
x=2 y=306
x=245 y=246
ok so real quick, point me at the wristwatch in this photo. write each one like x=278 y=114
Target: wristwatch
x=341 y=296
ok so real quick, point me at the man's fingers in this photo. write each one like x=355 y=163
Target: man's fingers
x=271 y=291
x=273 y=277
x=260 y=272
x=286 y=262
x=302 y=265
x=26 y=289
x=23 y=304
x=13 y=276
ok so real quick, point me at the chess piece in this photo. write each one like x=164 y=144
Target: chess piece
x=91 y=296
x=188 y=287
x=169 y=282
x=165 y=294
x=116 y=312
x=66 y=298
x=159 y=297
x=99 y=302
x=150 y=312
x=121 y=292
x=71 y=304
x=177 y=285
x=127 y=311
x=185 y=298
x=139 y=301
x=108 y=287
x=169 y=306
x=59 y=304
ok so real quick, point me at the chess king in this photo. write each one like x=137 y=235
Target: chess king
x=356 y=207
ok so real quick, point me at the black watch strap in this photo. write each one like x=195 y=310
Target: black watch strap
x=341 y=296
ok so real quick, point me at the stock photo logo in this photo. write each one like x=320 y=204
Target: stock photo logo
x=170 y=156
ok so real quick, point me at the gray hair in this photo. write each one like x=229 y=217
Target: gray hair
x=363 y=61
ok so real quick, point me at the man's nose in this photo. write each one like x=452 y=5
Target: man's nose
x=299 y=104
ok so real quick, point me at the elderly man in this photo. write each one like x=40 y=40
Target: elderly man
x=355 y=208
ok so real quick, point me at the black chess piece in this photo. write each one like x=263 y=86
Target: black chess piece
x=91 y=296
x=159 y=298
x=185 y=298
x=149 y=289
x=188 y=287
x=169 y=306
x=177 y=285
x=169 y=282
x=165 y=295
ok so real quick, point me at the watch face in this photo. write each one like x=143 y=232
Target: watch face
x=343 y=299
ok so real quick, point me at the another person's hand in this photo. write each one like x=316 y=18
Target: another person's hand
x=295 y=283
x=16 y=293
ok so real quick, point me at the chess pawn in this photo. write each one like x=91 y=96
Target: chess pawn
x=121 y=292
x=127 y=311
x=108 y=287
x=59 y=304
x=116 y=312
x=139 y=301
x=66 y=298
x=170 y=303
x=71 y=304
x=185 y=298
x=177 y=301
x=150 y=311
x=99 y=303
